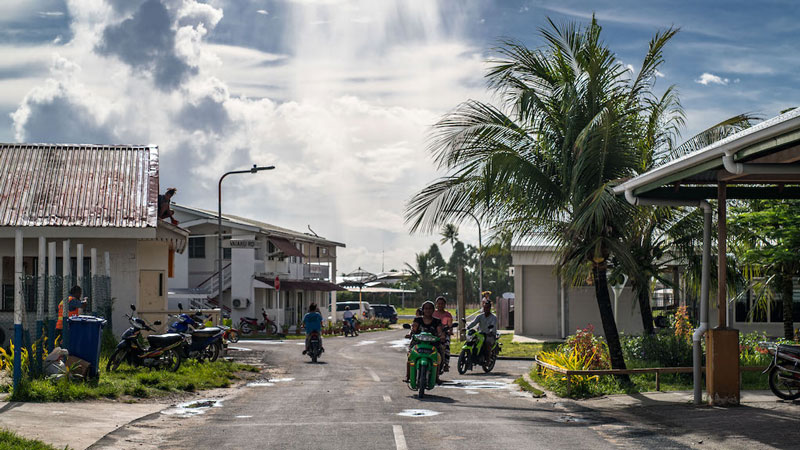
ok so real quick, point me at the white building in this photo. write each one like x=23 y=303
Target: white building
x=547 y=307
x=303 y=263
x=95 y=197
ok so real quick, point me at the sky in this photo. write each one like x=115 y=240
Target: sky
x=340 y=94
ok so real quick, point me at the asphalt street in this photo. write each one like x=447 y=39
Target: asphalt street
x=355 y=399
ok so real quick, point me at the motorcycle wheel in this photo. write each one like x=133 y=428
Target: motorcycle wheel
x=313 y=354
x=172 y=360
x=271 y=329
x=233 y=336
x=214 y=351
x=245 y=328
x=780 y=388
x=116 y=359
x=489 y=365
x=422 y=380
x=463 y=359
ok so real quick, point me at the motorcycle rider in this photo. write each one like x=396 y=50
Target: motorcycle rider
x=487 y=336
x=447 y=323
x=349 y=317
x=428 y=324
x=312 y=321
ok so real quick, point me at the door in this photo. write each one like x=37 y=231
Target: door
x=152 y=292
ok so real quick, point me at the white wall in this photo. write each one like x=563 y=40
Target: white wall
x=242 y=260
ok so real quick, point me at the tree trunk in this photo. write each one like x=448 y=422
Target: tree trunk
x=787 y=291
x=644 y=306
x=607 y=316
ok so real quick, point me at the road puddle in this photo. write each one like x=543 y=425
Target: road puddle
x=418 y=413
x=240 y=349
x=364 y=343
x=193 y=408
x=401 y=343
x=268 y=383
x=243 y=417
x=475 y=384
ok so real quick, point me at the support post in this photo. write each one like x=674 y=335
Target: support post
x=17 y=307
x=460 y=306
x=66 y=267
x=722 y=343
x=93 y=269
x=697 y=349
x=79 y=280
x=52 y=295
x=40 y=293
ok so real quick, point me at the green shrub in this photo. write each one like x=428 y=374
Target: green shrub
x=664 y=349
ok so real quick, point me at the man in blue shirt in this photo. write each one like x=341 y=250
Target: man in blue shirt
x=312 y=321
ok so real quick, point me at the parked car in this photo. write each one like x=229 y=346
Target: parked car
x=385 y=312
x=363 y=314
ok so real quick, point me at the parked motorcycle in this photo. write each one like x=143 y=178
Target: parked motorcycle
x=423 y=361
x=314 y=347
x=784 y=370
x=200 y=342
x=473 y=354
x=163 y=350
x=348 y=328
x=248 y=325
x=230 y=334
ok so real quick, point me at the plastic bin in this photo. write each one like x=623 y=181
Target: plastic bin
x=84 y=340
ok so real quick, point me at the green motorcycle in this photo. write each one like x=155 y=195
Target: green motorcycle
x=424 y=362
x=472 y=352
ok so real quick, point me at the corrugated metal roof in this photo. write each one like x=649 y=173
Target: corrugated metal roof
x=78 y=185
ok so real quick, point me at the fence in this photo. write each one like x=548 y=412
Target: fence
x=41 y=297
x=656 y=370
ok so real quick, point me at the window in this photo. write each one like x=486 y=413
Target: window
x=226 y=253
x=197 y=247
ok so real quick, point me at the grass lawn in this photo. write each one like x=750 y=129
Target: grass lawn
x=511 y=349
x=134 y=382
x=11 y=441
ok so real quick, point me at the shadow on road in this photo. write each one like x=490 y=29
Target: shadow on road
x=429 y=398
x=315 y=363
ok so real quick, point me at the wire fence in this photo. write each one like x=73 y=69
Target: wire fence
x=41 y=297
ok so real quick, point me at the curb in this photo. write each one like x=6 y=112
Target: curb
x=506 y=358
x=527 y=377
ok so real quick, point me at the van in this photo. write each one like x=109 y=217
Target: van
x=364 y=313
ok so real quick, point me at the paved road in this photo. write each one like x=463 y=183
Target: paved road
x=355 y=399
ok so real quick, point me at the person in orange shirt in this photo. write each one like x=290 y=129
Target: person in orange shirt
x=75 y=304
x=447 y=324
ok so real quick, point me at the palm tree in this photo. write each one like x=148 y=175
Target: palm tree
x=449 y=234
x=544 y=161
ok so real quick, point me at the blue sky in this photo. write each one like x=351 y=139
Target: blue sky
x=339 y=94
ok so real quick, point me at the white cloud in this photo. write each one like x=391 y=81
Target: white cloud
x=263 y=12
x=342 y=111
x=709 y=78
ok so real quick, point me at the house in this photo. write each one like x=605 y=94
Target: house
x=546 y=307
x=89 y=201
x=264 y=266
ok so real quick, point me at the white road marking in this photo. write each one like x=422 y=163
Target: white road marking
x=387 y=399
x=362 y=343
x=373 y=375
x=399 y=439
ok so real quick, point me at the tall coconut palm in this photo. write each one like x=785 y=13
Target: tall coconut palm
x=449 y=234
x=545 y=159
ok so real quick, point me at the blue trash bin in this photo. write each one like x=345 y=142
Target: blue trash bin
x=84 y=340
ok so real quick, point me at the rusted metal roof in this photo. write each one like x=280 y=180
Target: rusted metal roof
x=61 y=185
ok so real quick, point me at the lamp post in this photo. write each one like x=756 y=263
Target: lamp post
x=480 y=248
x=253 y=169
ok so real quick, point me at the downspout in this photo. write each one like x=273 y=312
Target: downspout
x=697 y=352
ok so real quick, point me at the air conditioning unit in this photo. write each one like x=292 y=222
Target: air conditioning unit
x=240 y=303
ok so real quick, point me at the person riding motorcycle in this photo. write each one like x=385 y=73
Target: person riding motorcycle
x=350 y=317
x=447 y=323
x=428 y=324
x=312 y=321
x=487 y=327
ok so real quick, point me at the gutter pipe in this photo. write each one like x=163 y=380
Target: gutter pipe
x=697 y=354
x=756 y=169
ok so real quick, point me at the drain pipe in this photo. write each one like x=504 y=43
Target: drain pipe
x=697 y=350
x=756 y=169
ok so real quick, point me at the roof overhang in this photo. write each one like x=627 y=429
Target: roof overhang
x=176 y=236
x=762 y=149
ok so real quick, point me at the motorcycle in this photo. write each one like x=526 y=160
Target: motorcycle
x=248 y=325
x=314 y=347
x=201 y=342
x=424 y=362
x=471 y=355
x=445 y=365
x=348 y=328
x=784 y=370
x=230 y=334
x=163 y=350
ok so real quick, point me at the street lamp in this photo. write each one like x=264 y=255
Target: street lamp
x=253 y=169
x=480 y=248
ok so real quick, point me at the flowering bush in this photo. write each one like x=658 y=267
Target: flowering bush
x=683 y=328
x=588 y=347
